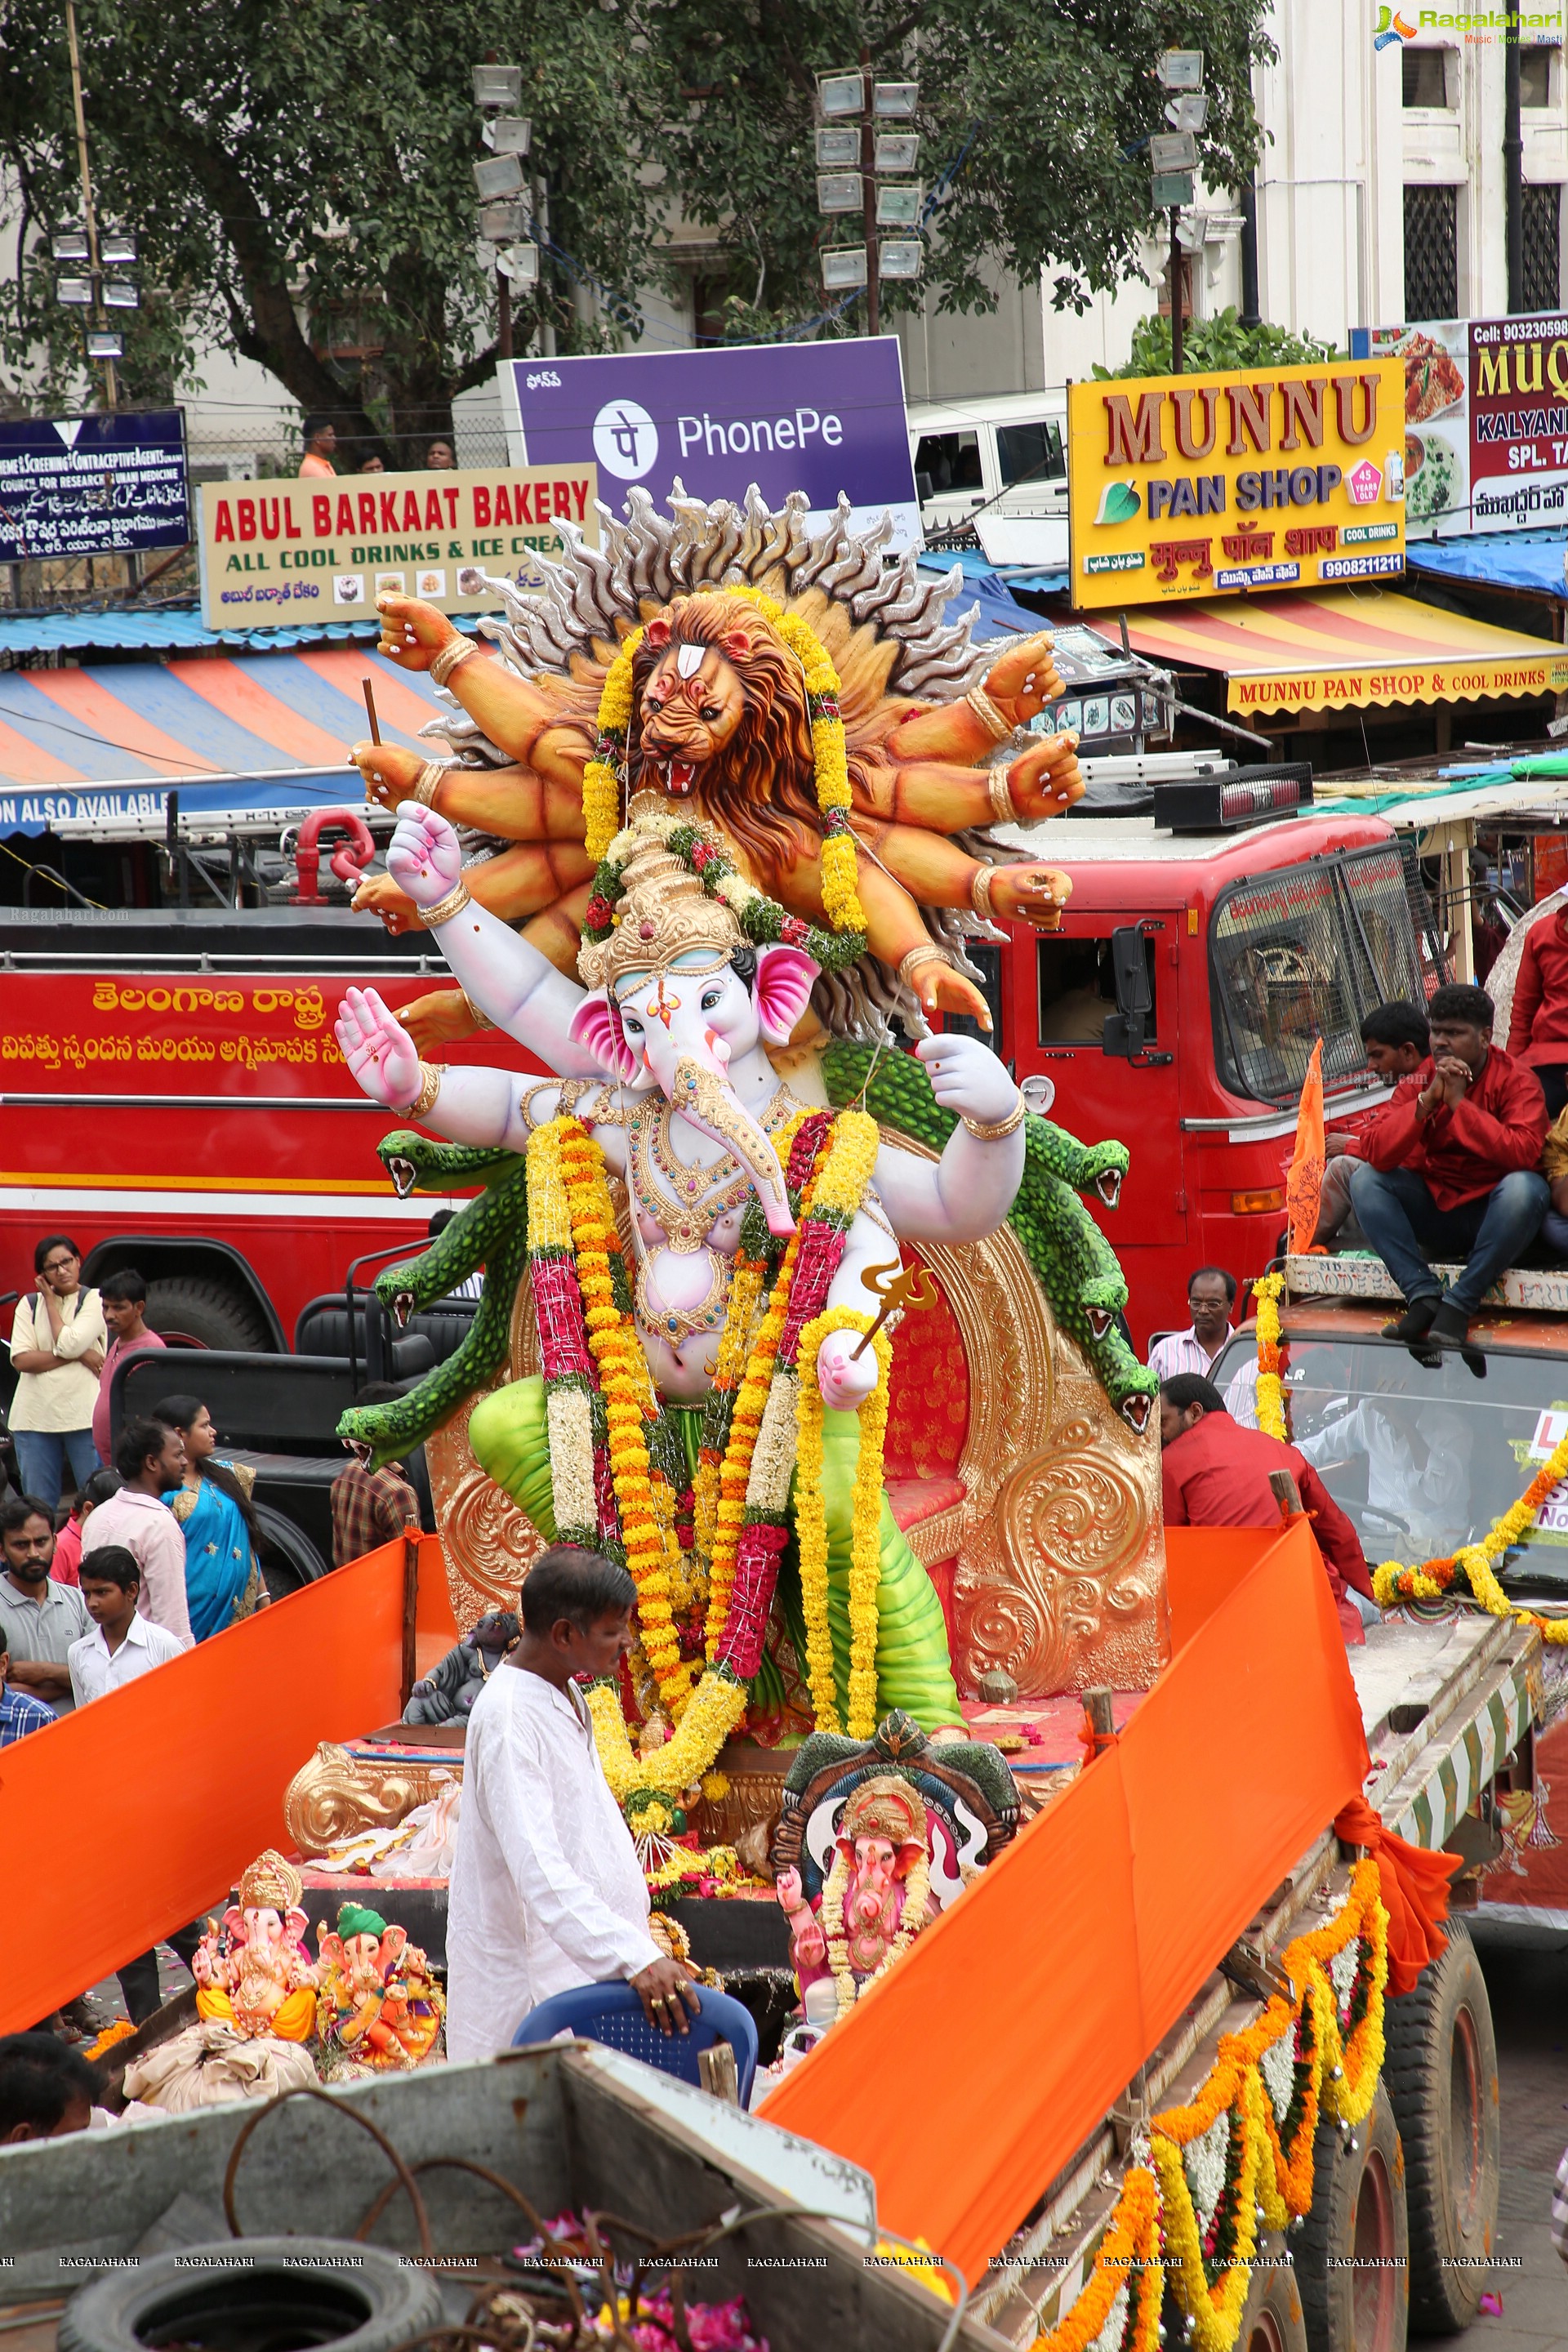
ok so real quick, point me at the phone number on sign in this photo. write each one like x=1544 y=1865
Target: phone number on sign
x=1358 y=567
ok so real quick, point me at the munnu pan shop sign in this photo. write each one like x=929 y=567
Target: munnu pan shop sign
x=1187 y=486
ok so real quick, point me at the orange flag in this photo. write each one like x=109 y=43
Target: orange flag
x=1304 y=1181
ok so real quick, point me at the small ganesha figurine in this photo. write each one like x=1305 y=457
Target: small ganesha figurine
x=252 y=1970
x=379 y=2005
x=877 y=1896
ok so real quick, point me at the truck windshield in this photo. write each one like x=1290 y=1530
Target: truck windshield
x=1421 y=1460
x=1304 y=952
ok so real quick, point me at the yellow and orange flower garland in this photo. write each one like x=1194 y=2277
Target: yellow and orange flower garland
x=1335 y=2073
x=571 y=1218
x=840 y=862
x=1270 y=1387
x=811 y=1530
x=1394 y=1582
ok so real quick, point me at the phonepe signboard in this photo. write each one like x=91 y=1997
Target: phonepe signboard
x=818 y=417
x=108 y=485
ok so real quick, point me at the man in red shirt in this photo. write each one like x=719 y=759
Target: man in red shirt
x=1537 y=1029
x=1450 y=1168
x=1215 y=1474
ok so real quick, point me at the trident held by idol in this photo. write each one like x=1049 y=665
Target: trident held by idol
x=899 y=1288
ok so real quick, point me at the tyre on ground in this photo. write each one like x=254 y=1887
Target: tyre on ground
x=1440 y=2074
x=1353 y=2251
x=352 y=2298
x=199 y=1313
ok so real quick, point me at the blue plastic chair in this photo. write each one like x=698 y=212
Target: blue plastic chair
x=611 y=2013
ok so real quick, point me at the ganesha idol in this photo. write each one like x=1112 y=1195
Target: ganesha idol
x=252 y=1969
x=379 y=2006
x=877 y=1897
x=767 y=878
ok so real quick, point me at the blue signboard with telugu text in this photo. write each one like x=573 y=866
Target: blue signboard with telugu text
x=111 y=484
x=820 y=417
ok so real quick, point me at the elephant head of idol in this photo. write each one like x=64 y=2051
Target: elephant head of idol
x=676 y=993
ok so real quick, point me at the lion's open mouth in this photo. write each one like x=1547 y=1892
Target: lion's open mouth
x=679 y=775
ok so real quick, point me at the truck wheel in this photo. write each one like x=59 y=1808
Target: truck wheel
x=200 y=1314
x=1352 y=2251
x=266 y=2297
x=290 y=1560
x=1272 y=2319
x=1441 y=2075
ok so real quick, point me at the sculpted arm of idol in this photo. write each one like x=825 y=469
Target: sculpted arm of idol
x=844 y=1382
x=967 y=1193
x=510 y=981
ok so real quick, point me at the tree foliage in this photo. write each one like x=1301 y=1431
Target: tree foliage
x=1034 y=117
x=1209 y=345
x=302 y=178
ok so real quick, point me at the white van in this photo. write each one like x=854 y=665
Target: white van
x=1005 y=453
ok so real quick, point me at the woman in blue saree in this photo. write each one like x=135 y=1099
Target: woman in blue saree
x=223 y=1575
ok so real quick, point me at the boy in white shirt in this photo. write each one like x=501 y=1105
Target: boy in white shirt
x=123 y=1644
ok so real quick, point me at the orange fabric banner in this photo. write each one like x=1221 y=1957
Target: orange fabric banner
x=1034 y=2001
x=135 y=1815
x=1415 y=1883
x=1304 y=1178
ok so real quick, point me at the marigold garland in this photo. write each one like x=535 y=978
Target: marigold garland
x=811 y=1530
x=602 y=776
x=835 y=1157
x=1270 y=1387
x=1268 y=2169
x=1393 y=1583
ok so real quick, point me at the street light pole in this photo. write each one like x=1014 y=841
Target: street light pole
x=110 y=385
x=1175 y=290
x=868 y=182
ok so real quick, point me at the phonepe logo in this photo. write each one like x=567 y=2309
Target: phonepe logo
x=753 y=437
x=625 y=439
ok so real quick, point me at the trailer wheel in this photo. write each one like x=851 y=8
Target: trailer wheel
x=1272 y=2319
x=266 y=2297
x=1441 y=2075
x=195 y=1313
x=1353 y=2253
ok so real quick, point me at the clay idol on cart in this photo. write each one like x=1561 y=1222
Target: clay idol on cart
x=781 y=852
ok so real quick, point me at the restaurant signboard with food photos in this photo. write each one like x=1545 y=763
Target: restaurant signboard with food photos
x=1486 y=421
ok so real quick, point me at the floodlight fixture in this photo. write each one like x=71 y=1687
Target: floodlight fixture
x=507 y=134
x=498 y=86
x=898 y=150
x=105 y=343
x=843 y=267
x=901 y=257
x=519 y=263
x=899 y=204
x=501 y=177
x=839 y=192
x=899 y=99
x=1181 y=69
x=116 y=248
x=502 y=221
x=841 y=93
x=77 y=291
x=120 y=294
x=835 y=148
x=69 y=242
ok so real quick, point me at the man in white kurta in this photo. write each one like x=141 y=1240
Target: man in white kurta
x=546 y=1890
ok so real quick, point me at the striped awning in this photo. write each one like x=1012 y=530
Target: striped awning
x=1345 y=647
x=106 y=744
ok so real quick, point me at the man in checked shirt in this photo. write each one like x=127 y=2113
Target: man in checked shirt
x=371 y=1507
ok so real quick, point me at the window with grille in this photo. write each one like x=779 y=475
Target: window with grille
x=1432 y=253
x=1305 y=953
x=1544 y=246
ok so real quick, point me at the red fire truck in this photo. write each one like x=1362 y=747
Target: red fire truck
x=172 y=1096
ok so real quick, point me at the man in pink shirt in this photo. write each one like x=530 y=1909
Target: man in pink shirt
x=124 y=1299
x=149 y=1457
